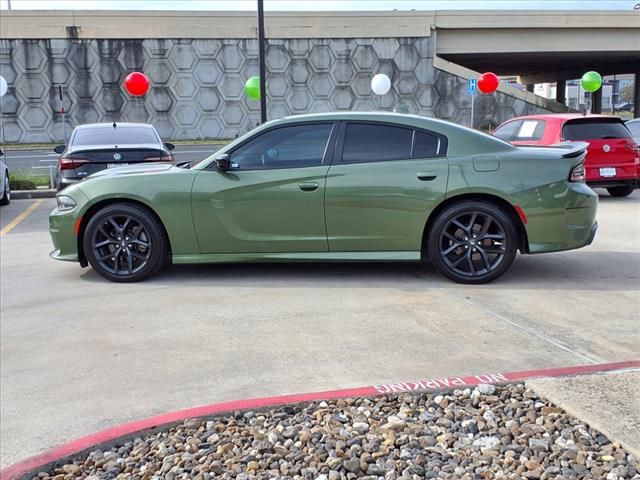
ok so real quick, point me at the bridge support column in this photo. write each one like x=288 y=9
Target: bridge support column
x=636 y=96
x=596 y=101
x=530 y=87
x=561 y=87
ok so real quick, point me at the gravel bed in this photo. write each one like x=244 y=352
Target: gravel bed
x=489 y=432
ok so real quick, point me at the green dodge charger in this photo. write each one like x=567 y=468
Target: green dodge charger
x=334 y=187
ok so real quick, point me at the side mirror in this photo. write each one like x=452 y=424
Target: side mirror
x=59 y=149
x=186 y=165
x=169 y=146
x=223 y=162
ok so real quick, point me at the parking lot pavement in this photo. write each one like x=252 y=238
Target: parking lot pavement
x=37 y=161
x=79 y=354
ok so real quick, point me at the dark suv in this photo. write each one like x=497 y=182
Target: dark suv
x=97 y=146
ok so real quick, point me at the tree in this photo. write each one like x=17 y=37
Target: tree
x=626 y=93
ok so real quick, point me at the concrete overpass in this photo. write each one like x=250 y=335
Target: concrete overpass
x=537 y=46
x=198 y=63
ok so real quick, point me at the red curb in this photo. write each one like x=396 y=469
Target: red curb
x=111 y=434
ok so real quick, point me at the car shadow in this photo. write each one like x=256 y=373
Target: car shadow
x=578 y=270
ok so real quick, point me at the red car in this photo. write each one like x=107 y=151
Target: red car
x=613 y=156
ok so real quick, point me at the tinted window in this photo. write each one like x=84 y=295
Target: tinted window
x=634 y=128
x=507 y=132
x=425 y=145
x=114 y=136
x=286 y=147
x=372 y=143
x=594 y=128
x=530 y=130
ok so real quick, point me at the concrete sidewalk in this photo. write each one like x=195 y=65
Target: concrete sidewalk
x=608 y=402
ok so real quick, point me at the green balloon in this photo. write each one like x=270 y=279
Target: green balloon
x=252 y=88
x=591 y=81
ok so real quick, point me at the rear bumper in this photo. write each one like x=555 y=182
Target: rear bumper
x=65 y=182
x=615 y=182
x=569 y=224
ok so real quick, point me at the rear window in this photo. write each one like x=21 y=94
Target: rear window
x=114 y=136
x=634 y=128
x=594 y=129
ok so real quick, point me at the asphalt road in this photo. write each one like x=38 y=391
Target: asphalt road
x=26 y=160
x=79 y=354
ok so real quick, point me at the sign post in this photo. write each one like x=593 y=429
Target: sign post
x=261 y=59
x=64 y=120
x=472 y=89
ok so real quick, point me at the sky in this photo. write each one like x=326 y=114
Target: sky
x=332 y=5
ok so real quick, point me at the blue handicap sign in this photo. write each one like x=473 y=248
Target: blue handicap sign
x=472 y=86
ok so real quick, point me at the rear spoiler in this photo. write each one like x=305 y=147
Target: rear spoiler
x=574 y=149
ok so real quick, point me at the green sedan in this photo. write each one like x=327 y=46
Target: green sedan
x=350 y=187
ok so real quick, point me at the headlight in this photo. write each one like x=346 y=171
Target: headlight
x=65 y=203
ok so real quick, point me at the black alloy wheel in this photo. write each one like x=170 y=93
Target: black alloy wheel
x=473 y=242
x=125 y=243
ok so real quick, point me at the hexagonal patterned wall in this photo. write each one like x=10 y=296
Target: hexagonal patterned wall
x=198 y=85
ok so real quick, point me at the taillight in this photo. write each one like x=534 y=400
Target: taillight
x=161 y=158
x=71 y=163
x=632 y=146
x=578 y=173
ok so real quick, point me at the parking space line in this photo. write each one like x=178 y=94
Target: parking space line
x=16 y=221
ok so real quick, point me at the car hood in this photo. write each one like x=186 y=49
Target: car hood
x=134 y=169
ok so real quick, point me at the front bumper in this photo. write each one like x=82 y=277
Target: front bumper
x=62 y=231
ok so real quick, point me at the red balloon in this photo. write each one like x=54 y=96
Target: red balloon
x=488 y=82
x=136 y=83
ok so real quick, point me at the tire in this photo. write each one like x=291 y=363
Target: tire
x=124 y=242
x=458 y=255
x=6 y=197
x=620 y=191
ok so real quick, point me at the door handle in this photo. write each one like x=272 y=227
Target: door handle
x=426 y=176
x=308 y=186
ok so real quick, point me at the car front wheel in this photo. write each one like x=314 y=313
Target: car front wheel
x=472 y=242
x=125 y=243
x=620 y=191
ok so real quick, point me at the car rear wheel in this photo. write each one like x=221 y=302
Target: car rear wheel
x=620 y=191
x=6 y=196
x=125 y=243
x=472 y=242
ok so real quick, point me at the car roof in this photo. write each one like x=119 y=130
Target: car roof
x=561 y=116
x=390 y=117
x=633 y=120
x=110 y=125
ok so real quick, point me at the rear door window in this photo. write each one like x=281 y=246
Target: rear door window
x=366 y=142
x=507 y=132
x=530 y=130
x=594 y=129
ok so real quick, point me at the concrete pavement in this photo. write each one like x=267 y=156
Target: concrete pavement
x=609 y=403
x=79 y=354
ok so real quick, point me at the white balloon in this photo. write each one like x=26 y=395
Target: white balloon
x=3 y=86
x=380 y=84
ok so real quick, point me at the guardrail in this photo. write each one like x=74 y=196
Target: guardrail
x=52 y=178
